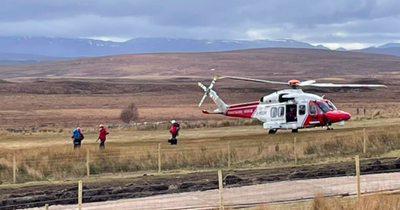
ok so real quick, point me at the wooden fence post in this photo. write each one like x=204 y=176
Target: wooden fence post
x=221 y=197
x=229 y=155
x=46 y=206
x=88 y=163
x=159 y=158
x=365 y=141
x=14 y=170
x=294 y=150
x=357 y=159
x=80 y=195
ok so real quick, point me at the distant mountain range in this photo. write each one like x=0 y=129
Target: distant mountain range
x=45 y=49
x=388 y=49
x=65 y=47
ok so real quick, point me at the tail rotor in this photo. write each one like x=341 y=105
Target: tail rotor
x=206 y=90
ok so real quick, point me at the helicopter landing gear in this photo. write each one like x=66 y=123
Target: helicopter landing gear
x=328 y=123
x=295 y=130
x=272 y=131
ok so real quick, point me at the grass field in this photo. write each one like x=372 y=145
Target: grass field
x=49 y=155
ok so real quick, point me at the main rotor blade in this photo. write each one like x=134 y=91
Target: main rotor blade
x=252 y=80
x=345 y=85
x=305 y=83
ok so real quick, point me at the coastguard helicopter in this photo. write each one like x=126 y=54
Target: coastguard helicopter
x=285 y=109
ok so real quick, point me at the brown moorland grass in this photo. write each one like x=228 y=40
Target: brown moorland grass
x=368 y=202
x=61 y=111
x=254 y=62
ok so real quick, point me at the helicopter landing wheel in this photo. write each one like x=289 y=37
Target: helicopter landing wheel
x=272 y=131
x=295 y=130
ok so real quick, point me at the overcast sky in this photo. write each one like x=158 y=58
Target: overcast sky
x=334 y=23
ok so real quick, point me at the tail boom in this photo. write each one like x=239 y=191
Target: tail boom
x=245 y=110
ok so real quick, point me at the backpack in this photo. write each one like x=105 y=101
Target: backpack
x=81 y=136
x=173 y=130
x=75 y=134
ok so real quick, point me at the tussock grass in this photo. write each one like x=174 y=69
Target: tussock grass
x=370 y=202
x=58 y=162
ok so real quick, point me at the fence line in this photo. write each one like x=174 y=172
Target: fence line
x=222 y=183
x=230 y=155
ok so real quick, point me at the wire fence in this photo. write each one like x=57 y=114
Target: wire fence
x=330 y=160
x=225 y=190
x=240 y=154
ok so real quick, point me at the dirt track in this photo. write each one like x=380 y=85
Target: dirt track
x=138 y=187
x=285 y=191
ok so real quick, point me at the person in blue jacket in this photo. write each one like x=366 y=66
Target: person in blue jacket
x=77 y=137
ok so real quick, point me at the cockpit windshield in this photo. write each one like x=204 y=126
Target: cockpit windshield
x=325 y=106
x=331 y=105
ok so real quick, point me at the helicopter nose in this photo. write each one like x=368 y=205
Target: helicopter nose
x=337 y=116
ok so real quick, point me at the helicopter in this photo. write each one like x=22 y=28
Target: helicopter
x=285 y=109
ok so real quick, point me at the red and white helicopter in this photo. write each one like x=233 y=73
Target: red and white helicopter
x=285 y=109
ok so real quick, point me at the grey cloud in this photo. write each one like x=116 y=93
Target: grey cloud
x=306 y=20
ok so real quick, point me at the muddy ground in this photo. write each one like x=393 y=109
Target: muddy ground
x=148 y=185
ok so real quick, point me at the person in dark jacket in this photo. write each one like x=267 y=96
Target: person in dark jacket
x=175 y=127
x=102 y=136
x=77 y=137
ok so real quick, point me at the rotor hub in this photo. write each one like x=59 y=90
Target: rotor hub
x=293 y=83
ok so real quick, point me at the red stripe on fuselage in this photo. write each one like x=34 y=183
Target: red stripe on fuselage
x=244 y=104
x=245 y=110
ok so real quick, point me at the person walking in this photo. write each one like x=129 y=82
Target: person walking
x=175 y=127
x=77 y=137
x=102 y=136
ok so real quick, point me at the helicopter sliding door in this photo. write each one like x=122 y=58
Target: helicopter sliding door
x=291 y=113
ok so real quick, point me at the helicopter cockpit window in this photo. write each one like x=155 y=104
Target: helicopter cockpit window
x=331 y=105
x=312 y=109
x=323 y=107
x=274 y=112
x=281 y=111
x=302 y=110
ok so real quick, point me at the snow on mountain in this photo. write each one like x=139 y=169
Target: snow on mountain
x=68 y=47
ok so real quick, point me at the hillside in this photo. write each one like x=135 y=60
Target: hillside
x=13 y=58
x=389 y=50
x=271 y=62
x=69 y=47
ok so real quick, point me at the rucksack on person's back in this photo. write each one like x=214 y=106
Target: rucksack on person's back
x=75 y=133
x=173 y=130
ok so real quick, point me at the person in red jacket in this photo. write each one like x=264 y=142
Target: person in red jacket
x=102 y=136
x=174 y=132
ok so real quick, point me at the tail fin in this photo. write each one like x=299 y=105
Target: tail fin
x=222 y=106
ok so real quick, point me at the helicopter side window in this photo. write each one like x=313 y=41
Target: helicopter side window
x=312 y=109
x=302 y=110
x=281 y=111
x=274 y=112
